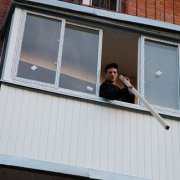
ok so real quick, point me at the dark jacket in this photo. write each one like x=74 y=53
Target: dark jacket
x=113 y=92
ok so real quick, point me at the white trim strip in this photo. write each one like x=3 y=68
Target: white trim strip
x=61 y=168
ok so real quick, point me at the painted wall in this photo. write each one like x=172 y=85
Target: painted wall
x=74 y=132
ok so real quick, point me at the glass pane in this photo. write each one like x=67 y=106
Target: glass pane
x=105 y=4
x=161 y=74
x=79 y=59
x=39 y=51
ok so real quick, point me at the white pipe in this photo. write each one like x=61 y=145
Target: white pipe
x=148 y=106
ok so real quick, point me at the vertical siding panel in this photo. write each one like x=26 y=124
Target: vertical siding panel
x=60 y=130
x=133 y=144
x=96 y=137
x=37 y=125
x=29 y=125
x=169 y=153
x=81 y=135
x=126 y=140
x=176 y=149
x=89 y=136
x=67 y=132
x=14 y=122
x=147 y=147
x=104 y=139
x=3 y=107
x=155 y=148
x=74 y=133
x=52 y=128
x=119 y=142
x=22 y=123
x=140 y=145
x=7 y=120
x=44 y=127
x=162 y=153
x=111 y=139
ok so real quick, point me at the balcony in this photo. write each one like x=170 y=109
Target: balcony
x=167 y=12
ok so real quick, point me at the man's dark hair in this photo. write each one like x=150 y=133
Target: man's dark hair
x=111 y=65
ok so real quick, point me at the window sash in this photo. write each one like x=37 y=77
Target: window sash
x=141 y=66
x=56 y=84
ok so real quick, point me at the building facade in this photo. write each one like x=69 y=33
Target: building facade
x=53 y=55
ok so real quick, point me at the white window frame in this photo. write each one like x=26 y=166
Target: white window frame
x=53 y=87
x=99 y=53
x=19 y=45
x=141 y=75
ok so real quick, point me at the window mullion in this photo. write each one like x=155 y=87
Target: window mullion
x=179 y=75
x=99 y=62
x=61 y=40
x=141 y=66
x=19 y=42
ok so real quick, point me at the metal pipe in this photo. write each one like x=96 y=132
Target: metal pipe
x=148 y=106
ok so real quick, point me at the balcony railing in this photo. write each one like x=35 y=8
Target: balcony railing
x=168 y=12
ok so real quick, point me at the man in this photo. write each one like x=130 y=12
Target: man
x=110 y=90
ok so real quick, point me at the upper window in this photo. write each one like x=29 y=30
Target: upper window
x=105 y=4
x=115 y=5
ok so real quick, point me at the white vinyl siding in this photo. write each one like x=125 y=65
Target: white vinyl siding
x=69 y=131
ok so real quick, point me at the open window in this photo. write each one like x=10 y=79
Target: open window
x=121 y=47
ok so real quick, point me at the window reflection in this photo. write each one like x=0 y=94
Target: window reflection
x=39 y=51
x=79 y=59
x=161 y=74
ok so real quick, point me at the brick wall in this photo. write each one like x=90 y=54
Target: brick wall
x=4 y=4
x=163 y=10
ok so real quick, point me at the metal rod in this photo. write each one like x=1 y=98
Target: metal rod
x=148 y=106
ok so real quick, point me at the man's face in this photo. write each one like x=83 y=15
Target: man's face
x=111 y=75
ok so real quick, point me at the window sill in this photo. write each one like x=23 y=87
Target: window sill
x=93 y=98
